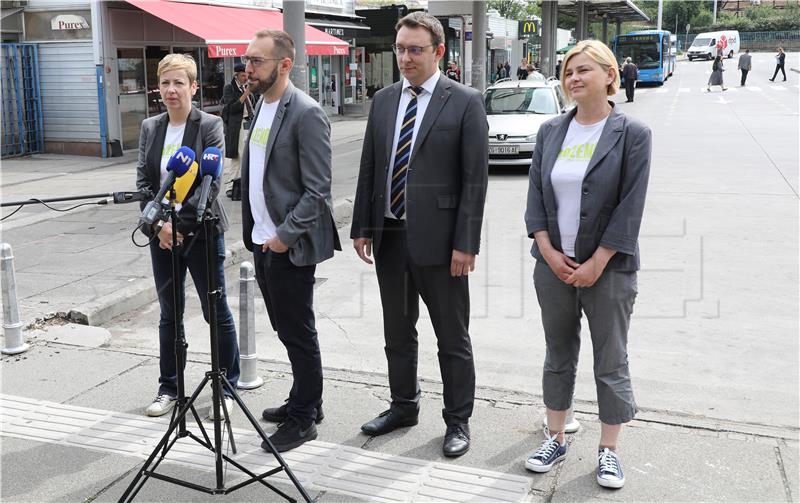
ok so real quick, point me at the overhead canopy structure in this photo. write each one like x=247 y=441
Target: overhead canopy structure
x=597 y=10
x=228 y=30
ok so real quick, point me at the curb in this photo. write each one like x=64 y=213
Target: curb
x=143 y=291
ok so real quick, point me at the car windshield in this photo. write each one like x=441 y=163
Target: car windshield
x=701 y=42
x=520 y=100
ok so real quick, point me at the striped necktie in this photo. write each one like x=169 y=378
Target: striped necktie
x=402 y=156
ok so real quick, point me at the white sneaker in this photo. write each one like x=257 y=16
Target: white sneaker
x=609 y=469
x=160 y=406
x=229 y=403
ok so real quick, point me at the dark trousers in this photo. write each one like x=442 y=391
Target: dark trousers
x=195 y=261
x=401 y=284
x=288 y=292
x=779 y=67
x=744 y=76
x=630 y=88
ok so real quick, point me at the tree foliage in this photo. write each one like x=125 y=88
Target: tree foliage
x=515 y=9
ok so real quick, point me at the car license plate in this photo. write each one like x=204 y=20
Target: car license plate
x=503 y=149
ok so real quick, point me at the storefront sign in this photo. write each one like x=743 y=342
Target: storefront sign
x=69 y=22
x=528 y=28
x=336 y=32
x=226 y=51
x=337 y=4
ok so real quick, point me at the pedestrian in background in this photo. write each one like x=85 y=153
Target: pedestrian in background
x=745 y=65
x=452 y=72
x=630 y=73
x=419 y=203
x=522 y=71
x=716 y=74
x=507 y=66
x=238 y=104
x=780 y=59
x=586 y=194
x=161 y=136
x=287 y=220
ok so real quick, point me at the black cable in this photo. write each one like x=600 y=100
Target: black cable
x=12 y=213
x=101 y=202
x=133 y=239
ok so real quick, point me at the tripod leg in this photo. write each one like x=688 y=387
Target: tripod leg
x=127 y=496
x=253 y=421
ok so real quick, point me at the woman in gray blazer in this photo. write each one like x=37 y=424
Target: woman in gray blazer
x=588 y=180
x=161 y=136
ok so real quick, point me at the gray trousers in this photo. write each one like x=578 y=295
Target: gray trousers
x=608 y=305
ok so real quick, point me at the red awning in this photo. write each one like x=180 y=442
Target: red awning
x=228 y=30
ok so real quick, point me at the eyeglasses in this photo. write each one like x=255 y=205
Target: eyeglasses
x=414 y=50
x=256 y=62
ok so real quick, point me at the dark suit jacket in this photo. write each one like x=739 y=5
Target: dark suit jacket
x=297 y=180
x=613 y=194
x=202 y=130
x=232 y=113
x=447 y=174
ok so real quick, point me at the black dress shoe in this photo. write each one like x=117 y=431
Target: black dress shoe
x=456 y=440
x=281 y=414
x=290 y=435
x=388 y=421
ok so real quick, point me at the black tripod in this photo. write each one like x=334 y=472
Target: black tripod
x=216 y=377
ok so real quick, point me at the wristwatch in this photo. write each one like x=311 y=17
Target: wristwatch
x=158 y=226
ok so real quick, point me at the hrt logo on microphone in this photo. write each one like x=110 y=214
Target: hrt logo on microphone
x=208 y=156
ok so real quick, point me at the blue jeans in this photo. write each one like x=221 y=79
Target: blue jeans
x=195 y=262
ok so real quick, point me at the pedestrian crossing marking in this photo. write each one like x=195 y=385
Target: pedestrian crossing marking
x=753 y=89
x=778 y=88
x=662 y=91
x=685 y=90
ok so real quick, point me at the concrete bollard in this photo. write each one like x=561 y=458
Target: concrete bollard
x=14 y=340
x=248 y=361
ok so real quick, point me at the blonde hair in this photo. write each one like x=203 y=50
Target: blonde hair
x=601 y=55
x=183 y=62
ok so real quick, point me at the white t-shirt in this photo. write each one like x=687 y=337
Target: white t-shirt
x=567 y=178
x=172 y=142
x=264 y=228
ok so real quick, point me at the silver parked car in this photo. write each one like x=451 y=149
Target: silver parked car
x=515 y=110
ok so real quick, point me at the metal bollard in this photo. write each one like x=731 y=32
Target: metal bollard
x=14 y=340
x=248 y=361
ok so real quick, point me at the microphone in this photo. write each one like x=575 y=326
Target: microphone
x=210 y=170
x=129 y=197
x=177 y=166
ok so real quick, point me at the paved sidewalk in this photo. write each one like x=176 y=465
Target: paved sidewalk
x=85 y=438
x=82 y=263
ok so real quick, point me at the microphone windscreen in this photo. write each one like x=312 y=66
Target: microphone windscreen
x=184 y=183
x=181 y=161
x=211 y=163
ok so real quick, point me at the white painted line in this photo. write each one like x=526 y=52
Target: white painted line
x=754 y=89
x=349 y=470
x=778 y=88
x=732 y=90
x=642 y=91
x=684 y=90
x=662 y=91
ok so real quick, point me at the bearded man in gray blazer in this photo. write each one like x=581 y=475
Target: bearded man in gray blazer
x=419 y=205
x=288 y=222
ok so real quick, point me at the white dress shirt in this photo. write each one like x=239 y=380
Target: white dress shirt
x=423 y=100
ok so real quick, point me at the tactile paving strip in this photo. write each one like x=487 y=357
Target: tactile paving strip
x=349 y=470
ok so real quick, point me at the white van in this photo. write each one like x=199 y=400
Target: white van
x=706 y=45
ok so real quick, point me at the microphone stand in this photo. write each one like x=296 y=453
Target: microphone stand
x=219 y=383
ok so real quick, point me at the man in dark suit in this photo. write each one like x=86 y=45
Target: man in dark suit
x=238 y=104
x=419 y=205
x=288 y=222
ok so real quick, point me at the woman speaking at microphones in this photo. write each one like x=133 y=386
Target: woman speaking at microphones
x=161 y=137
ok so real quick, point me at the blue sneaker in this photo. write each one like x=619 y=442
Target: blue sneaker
x=548 y=454
x=609 y=469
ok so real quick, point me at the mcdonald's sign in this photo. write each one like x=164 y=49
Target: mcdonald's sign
x=528 y=28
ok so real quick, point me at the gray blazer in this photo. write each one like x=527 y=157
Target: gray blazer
x=745 y=62
x=447 y=174
x=613 y=195
x=202 y=130
x=297 y=180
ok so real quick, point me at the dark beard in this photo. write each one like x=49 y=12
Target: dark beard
x=265 y=85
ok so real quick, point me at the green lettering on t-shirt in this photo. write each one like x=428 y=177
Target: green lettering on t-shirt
x=259 y=136
x=582 y=152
